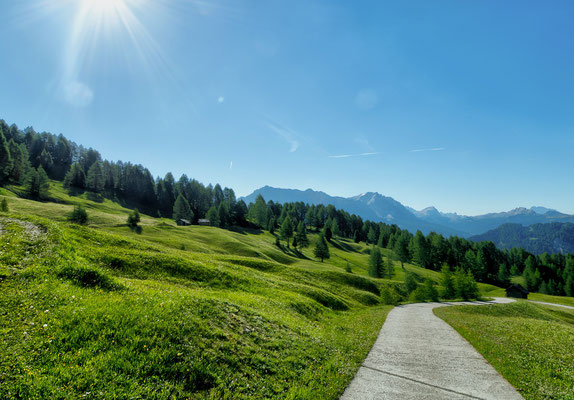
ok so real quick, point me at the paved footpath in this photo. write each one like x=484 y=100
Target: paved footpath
x=551 y=304
x=419 y=356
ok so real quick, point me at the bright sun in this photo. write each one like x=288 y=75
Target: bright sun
x=104 y=6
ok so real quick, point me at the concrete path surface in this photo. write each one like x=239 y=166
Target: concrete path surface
x=551 y=304
x=419 y=356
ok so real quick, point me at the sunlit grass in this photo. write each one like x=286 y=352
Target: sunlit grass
x=531 y=345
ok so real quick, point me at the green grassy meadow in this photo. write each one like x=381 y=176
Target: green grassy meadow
x=531 y=345
x=100 y=311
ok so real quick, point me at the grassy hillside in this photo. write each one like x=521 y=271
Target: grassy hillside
x=531 y=345
x=199 y=312
x=102 y=311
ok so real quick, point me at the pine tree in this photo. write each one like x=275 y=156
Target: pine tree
x=371 y=236
x=223 y=213
x=75 y=177
x=410 y=283
x=321 y=249
x=401 y=248
x=182 y=210
x=258 y=212
x=301 y=235
x=390 y=268
x=421 y=250
x=5 y=160
x=430 y=291
x=328 y=233
x=95 y=179
x=503 y=274
x=447 y=283
x=569 y=286
x=213 y=216
x=335 y=228
x=465 y=285
x=286 y=231
x=37 y=185
x=271 y=225
x=19 y=162
x=376 y=263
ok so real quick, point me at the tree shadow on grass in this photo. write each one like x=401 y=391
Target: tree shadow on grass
x=246 y=230
x=338 y=244
x=95 y=197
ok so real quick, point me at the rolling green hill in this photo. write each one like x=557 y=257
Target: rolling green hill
x=101 y=311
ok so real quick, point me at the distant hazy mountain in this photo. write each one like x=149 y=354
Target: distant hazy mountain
x=482 y=223
x=379 y=208
x=550 y=238
x=372 y=206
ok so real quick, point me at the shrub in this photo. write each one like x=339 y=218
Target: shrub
x=418 y=295
x=4 y=205
x=78 y=216
x=431 y=293
x=465 y=285
x=410 y=282
x=134 y=219
x=389 y=296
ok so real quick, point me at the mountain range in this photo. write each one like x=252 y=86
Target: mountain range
x=379 y=208
x=551 y=238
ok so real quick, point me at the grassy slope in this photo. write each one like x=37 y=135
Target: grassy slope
x=192 y=312
x=531 y=345
x=224 y=312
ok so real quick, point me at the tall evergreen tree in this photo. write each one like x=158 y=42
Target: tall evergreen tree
x=376 y=263
x=213 y=216
x=258 y=212
x=371 y=236
x=19 y=162
x=447 y=283
x=503 y=275
x=421 y=250
x=401 y=248
x=37 y=185
x=390 y=268
x=410 y=283
x=286 y=231
x=75 y=177
x=182 y=210
x=430 y=291
x=95 y=179
x=328 y=233
x=5 y=160
x=335 y=228
x=301 y=235
x=321 y=249
x=223 y=213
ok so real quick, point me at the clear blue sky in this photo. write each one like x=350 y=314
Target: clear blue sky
x=464 y=105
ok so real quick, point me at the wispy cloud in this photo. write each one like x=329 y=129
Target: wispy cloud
x=220 y=99
x=364 y=143
x=287 y=134
x=354 y=155
x=433 y=149
x=231 y=166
